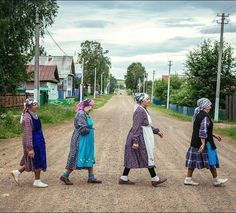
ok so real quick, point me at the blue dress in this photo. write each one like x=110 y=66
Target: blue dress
x=39 y=161
x=86 y=157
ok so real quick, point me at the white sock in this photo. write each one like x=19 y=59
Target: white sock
x=215 y=179
x=156 y=178
x=188 y=178
x=18 y=172
x=37 y=181
x=124 y=178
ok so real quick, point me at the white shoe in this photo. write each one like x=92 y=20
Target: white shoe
x=39 y=184
x=16 y=175
x=189 y=181
x=219 y=181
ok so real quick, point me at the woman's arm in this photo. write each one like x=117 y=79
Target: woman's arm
x=80 y=122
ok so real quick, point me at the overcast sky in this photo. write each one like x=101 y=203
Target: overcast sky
x=150 y=32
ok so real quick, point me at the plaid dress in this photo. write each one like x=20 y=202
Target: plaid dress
x=195 y=159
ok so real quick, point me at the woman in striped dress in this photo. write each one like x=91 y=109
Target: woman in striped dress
x=202 y=152
x=139 y=148
x=34 y=157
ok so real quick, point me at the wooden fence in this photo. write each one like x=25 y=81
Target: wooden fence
x=230 y=107
x=13 y=100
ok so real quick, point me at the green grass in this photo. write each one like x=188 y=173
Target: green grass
x=49 y=114
x=228 y=132
x=171 y=113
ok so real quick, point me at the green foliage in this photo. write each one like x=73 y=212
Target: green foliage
x=161 y=86
x=201 y=67
x=229 y=132
x=135 y=72
x=17 y=30
x=49 y=114
x=94 y=56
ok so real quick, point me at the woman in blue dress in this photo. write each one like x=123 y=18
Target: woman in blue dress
x=81 y=155
x=34 y=150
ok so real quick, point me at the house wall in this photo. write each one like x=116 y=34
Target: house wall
x=52 y=91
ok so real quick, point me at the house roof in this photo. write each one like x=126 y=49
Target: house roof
x=65 y=64
x=47 y=73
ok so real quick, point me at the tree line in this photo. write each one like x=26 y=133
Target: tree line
x=199 y=78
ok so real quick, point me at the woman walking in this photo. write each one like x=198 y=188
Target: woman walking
x=202 y=152
x=34 y=157
x=139 y=148
x=81 y=155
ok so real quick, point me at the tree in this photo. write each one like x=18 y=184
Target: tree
x=94 y=56
x=161 y=86
x=113 y=83
x=17 y=30
x=135 y=71
x=201 y=67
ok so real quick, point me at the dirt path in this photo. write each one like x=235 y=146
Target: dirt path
x=112 y=123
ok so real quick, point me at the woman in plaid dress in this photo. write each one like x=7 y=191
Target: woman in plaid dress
x=34 y=150
x=202 y=152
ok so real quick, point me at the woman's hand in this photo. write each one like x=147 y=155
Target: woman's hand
x=201 y=147
x=135 y=146
x=160 y=134
x=31 y=153
x=217 y=137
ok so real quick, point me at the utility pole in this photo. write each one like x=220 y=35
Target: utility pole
x=153 y=77
x=144 y=76
x=146 y=83
x=168 y=91
x=36 y=72
x=82 y=82
x=217 y=100
x=101 y=83
x=95 y=76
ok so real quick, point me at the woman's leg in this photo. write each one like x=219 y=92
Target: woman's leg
x=188 y=180
x=124 y=178
x=91 y=177
x=37 y=182
x=190 y=172
x=155 y=179
x=65 y=177
x=213 y=172
x=16 y=173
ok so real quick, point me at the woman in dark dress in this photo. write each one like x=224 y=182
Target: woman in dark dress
x=139 y=148
x=202 y=152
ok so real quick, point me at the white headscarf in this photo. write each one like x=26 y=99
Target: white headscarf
x=141 y=97
x=202 y=103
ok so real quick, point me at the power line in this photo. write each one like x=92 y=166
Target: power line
x=56 y=43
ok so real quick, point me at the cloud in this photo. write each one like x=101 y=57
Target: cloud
x=92 y=24
x=228 y=28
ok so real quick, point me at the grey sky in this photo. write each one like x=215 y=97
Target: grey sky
x=150 y=32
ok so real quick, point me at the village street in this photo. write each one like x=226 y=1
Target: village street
x=112 y=123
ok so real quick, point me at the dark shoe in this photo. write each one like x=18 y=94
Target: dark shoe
x=155 y=183
x=66 y=180
x=94 y=181
x=128 y=182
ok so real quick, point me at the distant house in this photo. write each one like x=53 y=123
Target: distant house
x=49 y=80
x=66 y=70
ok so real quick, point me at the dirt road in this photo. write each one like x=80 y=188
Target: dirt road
x=112 y=123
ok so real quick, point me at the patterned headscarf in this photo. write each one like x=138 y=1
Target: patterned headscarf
x=141 y=97
x=29 y=102
x=83 y=104
x=202 y=103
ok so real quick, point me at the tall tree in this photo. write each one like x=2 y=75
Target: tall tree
x=135 y=71
x=94 y=56
x=201 y=67
x=17 y=30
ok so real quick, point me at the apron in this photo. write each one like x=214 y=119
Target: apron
x=149 y=140
x=39 y=161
